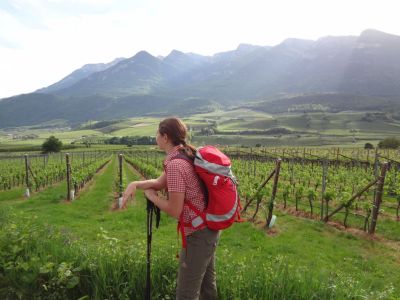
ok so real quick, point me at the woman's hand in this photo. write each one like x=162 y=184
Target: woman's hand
x=173 y=206
x=129 y=192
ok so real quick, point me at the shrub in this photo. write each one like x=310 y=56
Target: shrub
x=389 y=143
x=52 y=144
x=368 y=146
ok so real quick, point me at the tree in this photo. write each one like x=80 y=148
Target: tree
x=368 y=146
x=389 y=143
x=52 y=144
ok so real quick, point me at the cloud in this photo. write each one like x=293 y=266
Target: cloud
x=27 y=13
x=9 y=44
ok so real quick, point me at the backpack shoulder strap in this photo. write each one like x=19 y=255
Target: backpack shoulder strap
x=184 y=157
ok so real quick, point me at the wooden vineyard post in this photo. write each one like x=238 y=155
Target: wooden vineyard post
x=324 y=173
x=376 y=164
x=274 y=189
x=376 y=168
x=337 y=157
x=120 y=181
x=291 y=172
x=378 y=198
x=27 y=192
x=328 y=216
x=258 y=190
x=68 y=176
x=120 y=173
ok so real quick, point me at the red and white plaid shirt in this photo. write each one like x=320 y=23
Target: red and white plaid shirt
x=182 y=178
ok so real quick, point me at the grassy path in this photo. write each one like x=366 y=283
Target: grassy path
x=91 y=210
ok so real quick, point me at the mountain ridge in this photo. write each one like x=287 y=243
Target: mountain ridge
x=77 y=75
x=366 y=66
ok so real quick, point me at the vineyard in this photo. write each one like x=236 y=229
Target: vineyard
x=38 y=171
x=336 y=235
x=316 y=186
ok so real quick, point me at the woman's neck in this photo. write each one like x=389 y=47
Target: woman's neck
x=169 y=148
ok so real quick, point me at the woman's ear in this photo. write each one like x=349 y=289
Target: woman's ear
x=165 y=138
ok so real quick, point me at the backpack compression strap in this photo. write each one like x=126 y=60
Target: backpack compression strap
x=198 y=221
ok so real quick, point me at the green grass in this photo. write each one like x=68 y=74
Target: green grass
x=13 y=194
x=321 y=248
x=387 y=227
x=302 y=259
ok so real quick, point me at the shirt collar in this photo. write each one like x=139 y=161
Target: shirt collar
x=174 y=151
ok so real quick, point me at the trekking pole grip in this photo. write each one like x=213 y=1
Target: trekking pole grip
x=150 y=205
x=153 y=208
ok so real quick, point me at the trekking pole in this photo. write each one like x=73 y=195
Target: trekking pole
x=150 y=209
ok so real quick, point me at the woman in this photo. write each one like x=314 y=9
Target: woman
x=196 y=274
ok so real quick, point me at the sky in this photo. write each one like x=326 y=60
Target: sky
x=42 y=41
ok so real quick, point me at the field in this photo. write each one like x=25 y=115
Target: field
x=234 y=127
x=56 y=249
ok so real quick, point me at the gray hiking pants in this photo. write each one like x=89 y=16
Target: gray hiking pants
x=196 y=274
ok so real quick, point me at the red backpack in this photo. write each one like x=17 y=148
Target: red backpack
x=223 y=203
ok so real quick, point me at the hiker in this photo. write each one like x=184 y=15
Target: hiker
x=196 y=273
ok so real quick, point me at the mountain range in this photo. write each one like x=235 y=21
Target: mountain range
x=354 y=69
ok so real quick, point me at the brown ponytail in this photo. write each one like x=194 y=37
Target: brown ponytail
x=176 y=131
x=189 y=150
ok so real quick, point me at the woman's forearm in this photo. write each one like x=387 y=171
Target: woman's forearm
x=147 y=184
x=156 y=184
